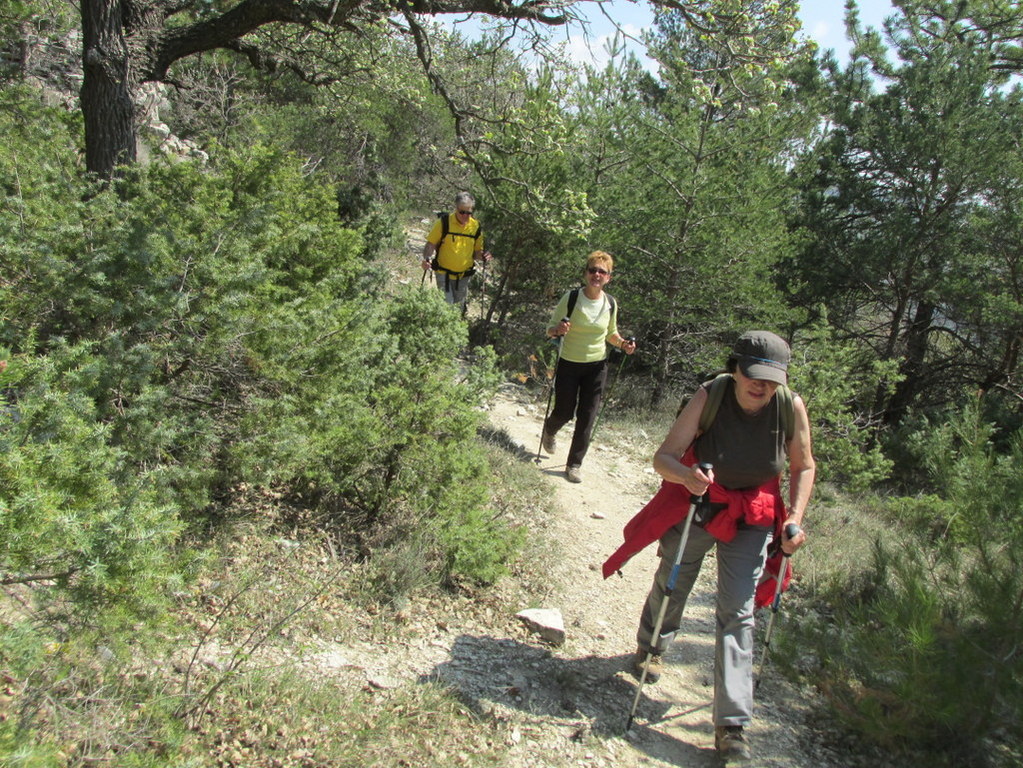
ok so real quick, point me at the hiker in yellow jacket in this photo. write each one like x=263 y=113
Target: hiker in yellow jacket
x=452 y=249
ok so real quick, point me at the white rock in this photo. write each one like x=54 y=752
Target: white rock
x=546 y=622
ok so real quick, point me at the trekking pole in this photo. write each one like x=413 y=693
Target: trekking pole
x=610 y=389
x=694 y=502
x=483 y=292
x=550 y=394
x=791 y=530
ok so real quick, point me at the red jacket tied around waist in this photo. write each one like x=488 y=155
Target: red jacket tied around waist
x=761 y=506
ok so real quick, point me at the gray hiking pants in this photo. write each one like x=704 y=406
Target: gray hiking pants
x=456 y=290
x=740 y=563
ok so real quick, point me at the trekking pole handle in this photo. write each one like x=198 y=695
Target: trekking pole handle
x=705 y=467
x=791 y=530
x=557 y=339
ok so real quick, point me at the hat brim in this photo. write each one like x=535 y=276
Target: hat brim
x=763 y=371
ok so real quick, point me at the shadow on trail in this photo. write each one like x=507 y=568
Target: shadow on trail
x=584 y=693
x=521 y=452
x=503 y=440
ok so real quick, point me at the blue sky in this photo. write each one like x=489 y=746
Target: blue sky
x=822 y=21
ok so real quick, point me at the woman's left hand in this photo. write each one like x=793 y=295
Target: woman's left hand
x=789 y=546
x=628 y=346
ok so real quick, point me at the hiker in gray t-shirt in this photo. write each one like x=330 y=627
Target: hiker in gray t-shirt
x=754 y=430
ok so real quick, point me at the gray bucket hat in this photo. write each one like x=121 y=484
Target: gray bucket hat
x=762 y=355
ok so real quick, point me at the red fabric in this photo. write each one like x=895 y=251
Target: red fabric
x=669 y=506
x=769 y=580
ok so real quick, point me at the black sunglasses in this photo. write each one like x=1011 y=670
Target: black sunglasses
x=597 y=271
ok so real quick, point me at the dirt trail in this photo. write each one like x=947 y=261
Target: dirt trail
x=559 y=698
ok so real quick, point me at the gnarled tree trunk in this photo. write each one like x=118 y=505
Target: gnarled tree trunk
x=107 y=88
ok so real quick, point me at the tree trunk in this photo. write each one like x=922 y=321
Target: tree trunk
x=107 y=88
x=913 y=364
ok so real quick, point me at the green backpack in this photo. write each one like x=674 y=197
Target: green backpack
x=716 y=393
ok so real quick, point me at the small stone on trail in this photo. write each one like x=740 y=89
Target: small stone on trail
x=382 y=682
x=598 y=515
x=546 y=622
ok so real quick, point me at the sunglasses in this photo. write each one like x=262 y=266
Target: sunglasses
x=597 y=271
x=467 y=213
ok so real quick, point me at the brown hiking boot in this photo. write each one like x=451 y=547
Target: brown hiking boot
x=574 y=475
x=548 y=443
x=730 y=742
x=653 y=670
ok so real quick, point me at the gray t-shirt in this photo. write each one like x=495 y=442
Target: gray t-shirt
x=746 y=450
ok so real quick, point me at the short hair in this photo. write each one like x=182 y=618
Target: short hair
x=464 y=197
x=601 y=259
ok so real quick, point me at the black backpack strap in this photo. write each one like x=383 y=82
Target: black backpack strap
x=445 y=229
x=573 y=297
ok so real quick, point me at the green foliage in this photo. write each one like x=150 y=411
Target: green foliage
x=950 y=456
x=899 y=204
x=73 y=705
x=832 y=376
x=924 y=656
x=195 y=330
x=537 y=218
x=73 y=505
x=686 y=176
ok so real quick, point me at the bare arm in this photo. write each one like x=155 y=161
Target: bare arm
x=681 y=435
x=428 y=250
x=616 y=340
x=802 y=471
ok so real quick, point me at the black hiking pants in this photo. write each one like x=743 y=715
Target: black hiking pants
x=578 y=388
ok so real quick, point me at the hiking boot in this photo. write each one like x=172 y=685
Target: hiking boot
x=574 y=475
x=730 y=742
x=548 y=443
x=653 y=670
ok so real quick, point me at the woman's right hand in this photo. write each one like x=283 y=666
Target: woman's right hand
x=697 y=481
x=561 y=328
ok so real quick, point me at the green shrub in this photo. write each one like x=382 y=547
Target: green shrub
x=921 y=652
x=832 y=378
x=74 y=507
x=72 y=703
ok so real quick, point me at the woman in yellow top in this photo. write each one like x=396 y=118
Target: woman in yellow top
x=582 y=363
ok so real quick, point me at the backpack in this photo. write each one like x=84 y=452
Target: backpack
x=445 y=230
x=573 y=297
x=716 y=393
